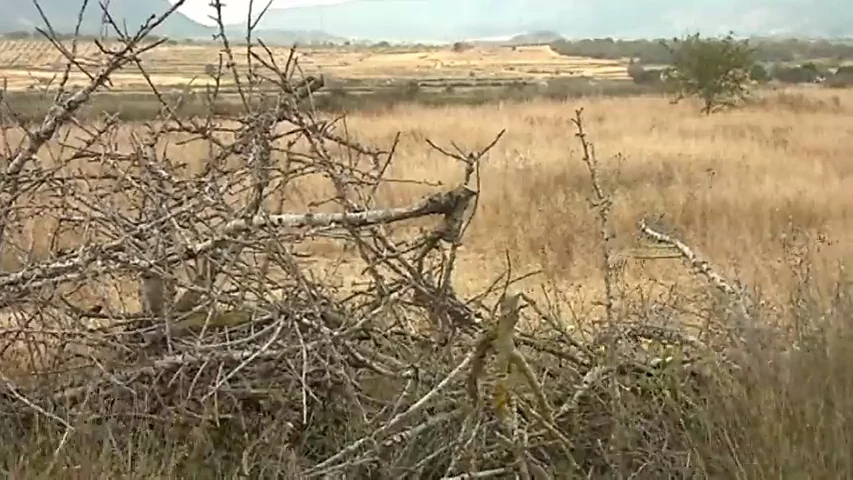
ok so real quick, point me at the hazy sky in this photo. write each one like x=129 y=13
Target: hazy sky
x=236 y=10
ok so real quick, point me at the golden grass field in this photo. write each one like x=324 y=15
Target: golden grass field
x=29 y=63
x=732 y=185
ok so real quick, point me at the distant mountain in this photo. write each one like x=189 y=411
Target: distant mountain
x=62 y=14
x=22 y=15
x=451 y=20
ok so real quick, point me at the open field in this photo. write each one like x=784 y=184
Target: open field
x=353 y=342
x=29 y=63
x=734 y=185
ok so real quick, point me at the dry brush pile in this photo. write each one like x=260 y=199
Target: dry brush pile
x=185 y=301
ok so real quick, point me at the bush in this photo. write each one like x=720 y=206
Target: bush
x=806 y=73
x=642 y=76
x=840 y=80
x=844 y=70
x=462 y=47
x=712 y=69
x=759 y=73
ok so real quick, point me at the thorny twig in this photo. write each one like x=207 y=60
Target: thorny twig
x=602 y=202
x=232 y=318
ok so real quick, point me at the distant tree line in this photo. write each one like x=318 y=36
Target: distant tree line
x=760 y=72
x=34 y=35
x=720 y=71
x=653 y=51
x=756 y=59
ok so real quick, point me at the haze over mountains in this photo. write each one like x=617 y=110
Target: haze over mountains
x=450 y=20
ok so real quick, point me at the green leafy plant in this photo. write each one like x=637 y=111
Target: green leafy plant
x=716 y=70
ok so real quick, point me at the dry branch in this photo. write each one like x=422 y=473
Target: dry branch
x=169 y=297
x=700 y=266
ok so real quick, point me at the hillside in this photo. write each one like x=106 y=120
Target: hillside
x=450 y=20
x=22 y=15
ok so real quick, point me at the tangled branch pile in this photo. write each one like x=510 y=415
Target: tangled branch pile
x=177 y=297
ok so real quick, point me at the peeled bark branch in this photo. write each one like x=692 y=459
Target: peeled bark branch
x=111 y=257
x=699 y=265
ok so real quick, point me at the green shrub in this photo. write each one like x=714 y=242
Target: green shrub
x=759 y=73
x=716 y=70
x=643 y=76
x=806 y=73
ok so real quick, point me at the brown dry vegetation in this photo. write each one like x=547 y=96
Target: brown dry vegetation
x=738 y=186
x=666 y=381
x=735 y=185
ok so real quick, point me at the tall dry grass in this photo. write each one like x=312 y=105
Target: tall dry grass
x=733 y=184
x=737 y=186
x=743 y=187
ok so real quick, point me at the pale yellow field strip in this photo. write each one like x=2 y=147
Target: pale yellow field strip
x=27 y=64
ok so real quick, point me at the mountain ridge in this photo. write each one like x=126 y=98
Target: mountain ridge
x=62 y=14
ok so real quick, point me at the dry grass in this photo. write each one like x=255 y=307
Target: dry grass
x=28 y=63
x=733 y=185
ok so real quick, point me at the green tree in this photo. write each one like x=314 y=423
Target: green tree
x=758 y=73
x=716 y=70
